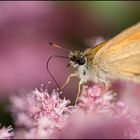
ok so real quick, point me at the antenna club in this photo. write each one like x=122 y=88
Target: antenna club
x=57 y=46
x=50 y=43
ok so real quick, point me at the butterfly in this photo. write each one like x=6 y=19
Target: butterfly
x=117 y=58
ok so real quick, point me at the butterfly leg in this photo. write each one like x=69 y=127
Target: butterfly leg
x=78 y=92
x=68 y=79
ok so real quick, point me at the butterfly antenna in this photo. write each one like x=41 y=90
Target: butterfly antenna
x=57 y=46
x=47 y=66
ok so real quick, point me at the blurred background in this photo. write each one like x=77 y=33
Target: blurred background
x=26 y=28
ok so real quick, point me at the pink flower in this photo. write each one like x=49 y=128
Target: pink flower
x=44 y=113
x=6 y=133
x=100 y=113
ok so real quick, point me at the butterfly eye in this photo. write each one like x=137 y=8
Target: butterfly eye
x=81 y=61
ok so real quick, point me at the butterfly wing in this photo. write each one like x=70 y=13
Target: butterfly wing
x=120 y=56
x=132 y=33
x=125 y=63
x=91 y=52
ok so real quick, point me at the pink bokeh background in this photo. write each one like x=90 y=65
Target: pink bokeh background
x=27 y=27
x=25 y=30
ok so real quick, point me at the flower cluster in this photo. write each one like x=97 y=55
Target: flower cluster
x=39 y=114
x=6 y=133
x=100 y=113
x=97 y=98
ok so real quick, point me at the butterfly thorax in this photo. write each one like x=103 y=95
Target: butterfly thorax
x=83 y=62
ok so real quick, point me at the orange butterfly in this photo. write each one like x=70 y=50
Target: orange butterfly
x=118 y=58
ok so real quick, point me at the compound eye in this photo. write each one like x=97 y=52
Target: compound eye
x=81 y=61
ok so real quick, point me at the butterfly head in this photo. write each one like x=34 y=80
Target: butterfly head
x=77 y=58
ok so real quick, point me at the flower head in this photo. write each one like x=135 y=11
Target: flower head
x=45 y=113
x=6 y=133
x=100 y=113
